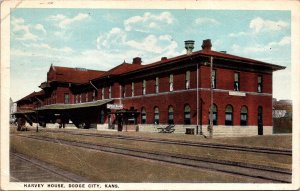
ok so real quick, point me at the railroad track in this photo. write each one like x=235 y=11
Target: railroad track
x=257 y=172
x=266 y=150
x=40 y=168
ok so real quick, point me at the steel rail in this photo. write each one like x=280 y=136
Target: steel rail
x=188 y=143
x=234 y=168
x=52 y=169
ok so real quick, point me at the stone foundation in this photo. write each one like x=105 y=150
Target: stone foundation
x=218 y=131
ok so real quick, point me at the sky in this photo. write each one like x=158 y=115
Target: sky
x=103 y=38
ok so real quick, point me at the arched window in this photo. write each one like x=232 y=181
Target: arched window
x=228 y=115
x=215 y=115
x=244 y=116
x=143 y=115
x=170 y=115
x=156 y=115
x=187 y=115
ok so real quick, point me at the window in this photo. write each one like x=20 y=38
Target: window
x=228 y=115
x=122 y=91
x=259 y=84
x=86 y=97
x=214 y=79
x=156 y=85
x=236 y=82
x=80 y=98
x=156 y=115
x=187 y=79
x=143 y=116
x=244 y=116
x=94 y=95
x=187 y=115
x=144 y=87
x=76 y=99
x=171 y=82
x=132 y=89
x=102 y=93
x=109 y=92
x=215 y=115
x=67 y=98
x=170 y=115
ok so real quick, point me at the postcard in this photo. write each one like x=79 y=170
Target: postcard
x=149 y=95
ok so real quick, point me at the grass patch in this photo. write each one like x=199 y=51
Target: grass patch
x=105 y=167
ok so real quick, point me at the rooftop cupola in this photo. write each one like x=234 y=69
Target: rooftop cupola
x=189 y=46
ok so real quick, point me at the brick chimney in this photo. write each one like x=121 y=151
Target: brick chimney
x=164 y=58
x=206 y=45
x=137 y=60
x=189 y=46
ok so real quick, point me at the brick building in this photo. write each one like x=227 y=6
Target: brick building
x=178 y=90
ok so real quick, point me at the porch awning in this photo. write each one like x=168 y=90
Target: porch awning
x=74 y=106
x=23 y=112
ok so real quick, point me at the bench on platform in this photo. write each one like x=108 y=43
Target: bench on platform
x=167 y=129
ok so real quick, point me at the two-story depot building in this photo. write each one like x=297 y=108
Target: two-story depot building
x=179 y=90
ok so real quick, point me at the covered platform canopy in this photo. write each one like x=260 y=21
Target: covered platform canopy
x=80 y=113
x=74 y=106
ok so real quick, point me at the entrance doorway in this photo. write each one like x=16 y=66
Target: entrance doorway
x=126 y=120
x=260 y=121
x=120 y=122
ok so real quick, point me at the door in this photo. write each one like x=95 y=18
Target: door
x=260 y=121
x=120 y=122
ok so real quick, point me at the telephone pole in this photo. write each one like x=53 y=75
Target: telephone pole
x=211 y=124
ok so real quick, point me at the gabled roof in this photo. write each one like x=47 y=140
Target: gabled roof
x=31 y=95
x=74 y=75
x=121 y=69
x=241 y=59
x=214 y=54
x=127 y=68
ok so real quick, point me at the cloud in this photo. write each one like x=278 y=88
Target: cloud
x=256 y=48
x=285 y=41
x=206 y=20
x=260 y=25
x=47 y=47
x=114 y=38
x=64 y=22
x=117 y=39
x=42 y=50
x=40 y=27
x=154 y=44
x=148 y=21
x=239 y=34
x=22 y=31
